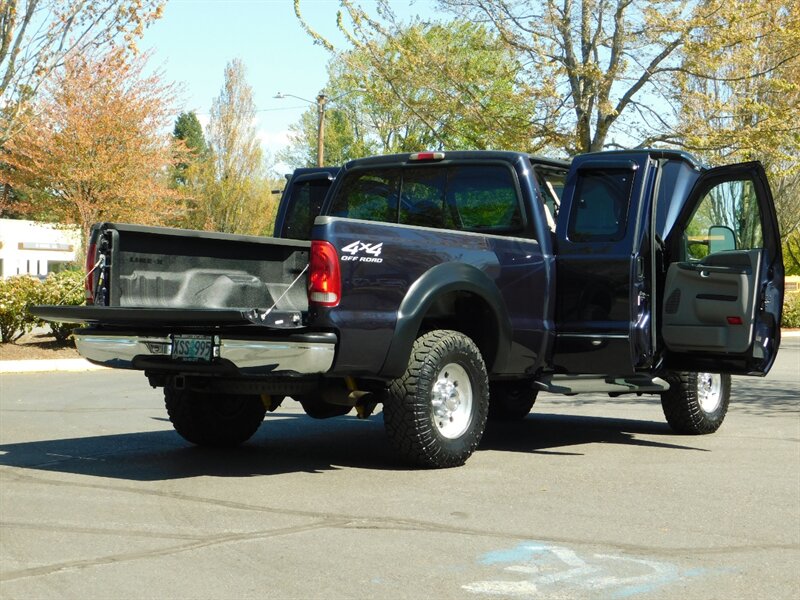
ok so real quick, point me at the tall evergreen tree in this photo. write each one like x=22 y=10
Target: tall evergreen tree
x=189 y=132
x=188 y=129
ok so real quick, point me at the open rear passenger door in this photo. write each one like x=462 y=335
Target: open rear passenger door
x=723 y=292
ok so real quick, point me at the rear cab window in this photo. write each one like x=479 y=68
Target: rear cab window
x=478 y=198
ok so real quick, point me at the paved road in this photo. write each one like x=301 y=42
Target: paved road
x=586 y=498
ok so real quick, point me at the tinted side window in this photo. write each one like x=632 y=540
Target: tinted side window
x=304 y=206
x=482 y=198
x=600 y=206
x=369 y=195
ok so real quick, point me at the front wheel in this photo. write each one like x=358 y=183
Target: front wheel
x=214 y=419
x=696 y=403
x=436 y=412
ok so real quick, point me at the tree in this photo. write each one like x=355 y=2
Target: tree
x=739 y=93
x=93 y=149
x=189 y=134
x=592 y=69
x=233 y=191
x=739 y=86
x=426 y=86
x=343 y=138
x=786 y=189
x=37 y=37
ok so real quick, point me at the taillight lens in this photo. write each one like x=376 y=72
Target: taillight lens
x=91 y=277
x=325 y=279
x=426 y=156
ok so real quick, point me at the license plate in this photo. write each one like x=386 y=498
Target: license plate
x=195 y=348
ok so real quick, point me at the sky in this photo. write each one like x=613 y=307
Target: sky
x=195 y=39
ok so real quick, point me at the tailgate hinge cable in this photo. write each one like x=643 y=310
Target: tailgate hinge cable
x=101 y=262
x=265 y=314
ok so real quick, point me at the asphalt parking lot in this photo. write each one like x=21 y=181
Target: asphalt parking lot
x=589 y=497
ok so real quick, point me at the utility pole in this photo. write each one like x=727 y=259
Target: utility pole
x=321 y=101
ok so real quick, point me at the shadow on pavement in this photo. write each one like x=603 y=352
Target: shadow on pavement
x=295 y=443
x=540 y=433
x=759 y=396
x=764 y=397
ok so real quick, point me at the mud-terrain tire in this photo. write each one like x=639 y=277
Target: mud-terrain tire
x=436 y=412
x=221 y=420
x=696 y=403
x=510 y=400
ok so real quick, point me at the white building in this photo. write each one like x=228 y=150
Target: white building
x=31 y=248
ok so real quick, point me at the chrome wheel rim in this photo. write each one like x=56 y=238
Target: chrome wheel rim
x=709 y=391
x=451 y=401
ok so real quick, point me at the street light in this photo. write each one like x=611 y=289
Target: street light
x=321 y=101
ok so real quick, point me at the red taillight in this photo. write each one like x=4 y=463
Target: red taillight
x=91 y=276
x=325 y=279
x=735 y=321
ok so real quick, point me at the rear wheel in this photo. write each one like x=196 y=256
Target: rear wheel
x=510 y=400
x=696 y=403
x=214 y=419
x=436 y=412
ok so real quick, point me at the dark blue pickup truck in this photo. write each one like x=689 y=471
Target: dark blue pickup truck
x=452 y=287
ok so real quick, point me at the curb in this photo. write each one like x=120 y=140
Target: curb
x=73 y=365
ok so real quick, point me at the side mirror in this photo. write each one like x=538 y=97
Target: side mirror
x=720 y=238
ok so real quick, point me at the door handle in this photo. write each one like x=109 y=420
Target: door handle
x=706 y=270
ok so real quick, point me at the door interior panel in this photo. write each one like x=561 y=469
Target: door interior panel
x=710 y=305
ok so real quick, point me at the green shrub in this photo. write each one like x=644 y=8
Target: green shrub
x=64 y=288
x=17 y=295
x=791 y=310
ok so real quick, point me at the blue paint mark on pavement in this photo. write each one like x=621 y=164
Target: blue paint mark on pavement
x=521 y=553
x=535 y=570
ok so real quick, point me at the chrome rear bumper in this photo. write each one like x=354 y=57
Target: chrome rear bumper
x=273 y=356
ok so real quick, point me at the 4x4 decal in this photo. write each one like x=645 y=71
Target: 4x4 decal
x=357 y=249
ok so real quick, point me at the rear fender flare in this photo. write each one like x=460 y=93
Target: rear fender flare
x=439 y=280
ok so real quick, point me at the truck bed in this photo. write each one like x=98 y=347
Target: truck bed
x=172 y=277
x=152 y=267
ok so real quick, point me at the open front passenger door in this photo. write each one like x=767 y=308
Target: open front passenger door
x=723 y=292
